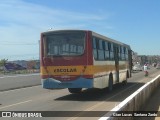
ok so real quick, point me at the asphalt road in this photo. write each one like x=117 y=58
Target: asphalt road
x=38 y=99
x=19 y=81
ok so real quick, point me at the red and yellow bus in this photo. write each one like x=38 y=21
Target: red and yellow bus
x=77 y=59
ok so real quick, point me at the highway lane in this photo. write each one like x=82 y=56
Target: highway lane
x=19 y=81
x=38 y=99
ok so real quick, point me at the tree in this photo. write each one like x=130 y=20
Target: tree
x=3 y=61
x=31 y=64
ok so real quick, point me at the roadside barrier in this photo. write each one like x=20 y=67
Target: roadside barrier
x=133 y=103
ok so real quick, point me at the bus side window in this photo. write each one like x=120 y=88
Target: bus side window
x=106 y=52
x=126 y=54
x=95 y=48
x=123 y=53
x=100 y=50
x=120 y=53
x=111 y=51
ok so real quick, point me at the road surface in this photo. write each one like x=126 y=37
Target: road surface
x=19 y=81
x=38 y=99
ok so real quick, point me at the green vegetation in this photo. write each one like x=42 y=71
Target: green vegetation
x=2 y=62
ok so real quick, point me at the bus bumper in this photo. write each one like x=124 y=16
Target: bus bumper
x=51 y=83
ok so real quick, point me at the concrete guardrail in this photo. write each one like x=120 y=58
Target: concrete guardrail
x=133 y=103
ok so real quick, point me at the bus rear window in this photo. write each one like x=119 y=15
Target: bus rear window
x=65 y=44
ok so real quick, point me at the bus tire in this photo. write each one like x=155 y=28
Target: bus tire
x=125 y=82
x=110 y=84
x=74 y=90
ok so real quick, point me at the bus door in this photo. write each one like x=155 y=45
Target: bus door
x=116 y=57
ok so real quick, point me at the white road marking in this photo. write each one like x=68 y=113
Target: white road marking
x=19 y=89
x=15 y=104
x=100 y=103
x=124 y=102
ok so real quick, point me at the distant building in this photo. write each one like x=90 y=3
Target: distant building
x=148 y=59
x=13 y=66
x=20 y=62
x=143 y=59
x=135 y=58
x=32 y=64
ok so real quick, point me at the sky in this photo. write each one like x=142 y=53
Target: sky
x=134 y=22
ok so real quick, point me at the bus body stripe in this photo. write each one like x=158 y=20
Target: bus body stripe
x=79 y=70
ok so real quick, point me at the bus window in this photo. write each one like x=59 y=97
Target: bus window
x=111 y=51
x=52 y=48
x=65 y=48
x=100 y=50
x=65 y=44
x=95 y=48
x=106 y=52
x=119 y=53
x=106 y=46
x=126 y=54
x=80 y=49
x=73 y=49
x=100 y=45
x=122 y=53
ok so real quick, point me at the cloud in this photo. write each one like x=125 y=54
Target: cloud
x=28 y=14
x=22 y=22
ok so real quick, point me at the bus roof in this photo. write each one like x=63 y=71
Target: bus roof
x=64 y=30
x=93 y=33
x=109 y=39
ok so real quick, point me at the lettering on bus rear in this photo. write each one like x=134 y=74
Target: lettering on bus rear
x=65 y=70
